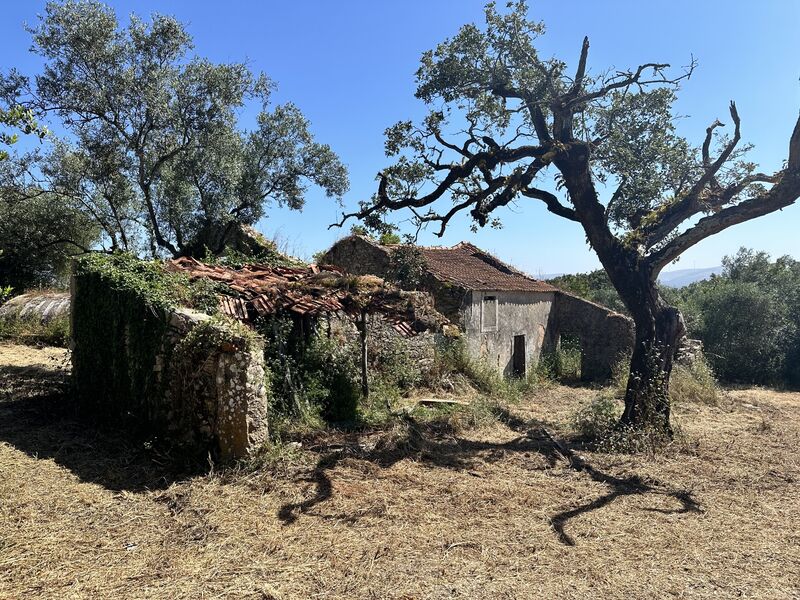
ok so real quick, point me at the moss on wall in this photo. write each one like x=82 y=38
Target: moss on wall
x=119 y=320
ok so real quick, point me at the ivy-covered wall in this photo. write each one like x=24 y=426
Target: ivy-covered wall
x=140 y=358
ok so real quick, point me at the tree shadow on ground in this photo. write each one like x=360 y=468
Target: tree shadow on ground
x=426 y=443
x=39 y=419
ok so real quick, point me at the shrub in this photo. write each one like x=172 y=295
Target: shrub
x=563 y=364
x=31 y=330
x=693 y=383
x=452 y=359
x=745 y=330
x=330 y=379
x=316 y=377
x=596 y=421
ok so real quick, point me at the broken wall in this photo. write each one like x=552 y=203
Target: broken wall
x=605 y=336
x=139 y=360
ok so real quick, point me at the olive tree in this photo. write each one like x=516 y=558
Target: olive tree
x=154 y=151
x=504 y=119
x=13 y=119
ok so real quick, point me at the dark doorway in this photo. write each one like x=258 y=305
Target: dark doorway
x=518 y=356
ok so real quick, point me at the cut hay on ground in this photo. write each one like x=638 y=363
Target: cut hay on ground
x=491 y=513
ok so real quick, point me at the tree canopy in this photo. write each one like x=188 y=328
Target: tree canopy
x=155 y=153
x=503 y=120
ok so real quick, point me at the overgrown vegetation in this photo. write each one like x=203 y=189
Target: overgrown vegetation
x=596 y=423
x=31 y=330
x=112 y=293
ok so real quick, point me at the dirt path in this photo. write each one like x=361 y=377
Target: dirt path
x=492 y=513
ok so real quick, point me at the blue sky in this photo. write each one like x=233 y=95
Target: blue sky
x=349 y=65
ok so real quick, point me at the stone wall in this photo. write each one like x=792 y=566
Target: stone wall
x=386 y=347
x=361 y=256
x=137 y=362
x=215 y=384
x=358 y=256
x=518 y=314
x=605 y=336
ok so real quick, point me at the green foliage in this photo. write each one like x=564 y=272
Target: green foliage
x=31 y=330
x=17 y=118
x=594 y=286
x=236 y=259
x=452 y=358
x=39 y=237
x=407 y=266
x=316 y=378
x=748 y=318
x=156 y=153
x=359 y=230
x=597 y=419
x=330 y=379
x=120 y=323
x=396 y=364
x=562 y=364
x=389 y=238
x=119 y=318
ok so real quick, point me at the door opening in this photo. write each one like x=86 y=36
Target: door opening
x=518 y=356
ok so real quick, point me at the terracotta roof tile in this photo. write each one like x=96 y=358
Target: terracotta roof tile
x=470 y=267
x=258 y=290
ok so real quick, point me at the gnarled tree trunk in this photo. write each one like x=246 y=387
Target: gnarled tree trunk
x=659 y=329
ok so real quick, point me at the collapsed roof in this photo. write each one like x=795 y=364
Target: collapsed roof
x=257 y=290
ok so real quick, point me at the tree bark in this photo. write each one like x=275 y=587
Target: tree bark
x=659 y=329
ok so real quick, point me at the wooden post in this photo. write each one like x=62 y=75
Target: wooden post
x=362 y=328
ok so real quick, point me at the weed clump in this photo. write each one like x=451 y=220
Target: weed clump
x=31 y=330
x=694 y=383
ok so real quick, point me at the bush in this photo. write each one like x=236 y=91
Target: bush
x=563 y=364
x=316 y=378
x=596 y=420
x=331 y=380
x=453 y=359
x=693 y=383
x=31 y=330
x=745 y=330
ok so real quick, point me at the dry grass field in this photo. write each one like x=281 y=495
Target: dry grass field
x=493 y=512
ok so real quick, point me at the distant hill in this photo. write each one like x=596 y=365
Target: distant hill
x=676 y=279
x=682 y=277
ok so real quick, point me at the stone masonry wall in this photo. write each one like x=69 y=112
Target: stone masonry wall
x=168 y=372
x=216 y=384
x=605 y=336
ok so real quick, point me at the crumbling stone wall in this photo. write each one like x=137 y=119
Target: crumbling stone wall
x=139 y=361
x=359 y=255
x=385 y=345
x=215 y=384
x=605 y=336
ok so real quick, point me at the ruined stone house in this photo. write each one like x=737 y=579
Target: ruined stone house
x=146 y=359
x=508 y=318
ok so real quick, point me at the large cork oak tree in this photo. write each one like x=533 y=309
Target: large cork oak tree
x=504 y=121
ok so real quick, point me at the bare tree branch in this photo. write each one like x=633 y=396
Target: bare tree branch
x=784 y=193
